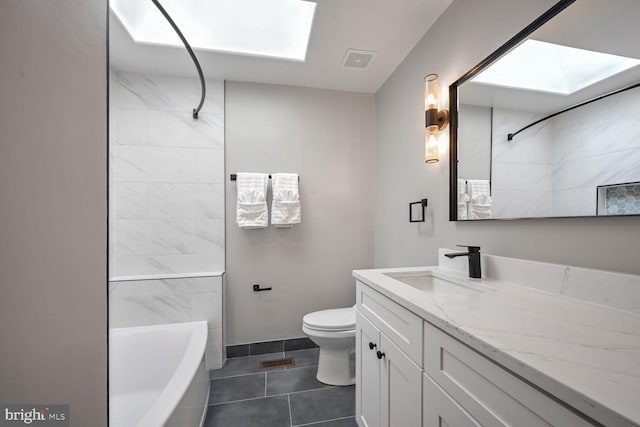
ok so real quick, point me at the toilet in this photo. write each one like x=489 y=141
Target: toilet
x=334 y=331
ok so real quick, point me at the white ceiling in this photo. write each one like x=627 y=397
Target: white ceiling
x=390 y=27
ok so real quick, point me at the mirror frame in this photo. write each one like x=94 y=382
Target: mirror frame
x=453 y=104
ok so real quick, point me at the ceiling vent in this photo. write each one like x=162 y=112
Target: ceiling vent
x=355 y=59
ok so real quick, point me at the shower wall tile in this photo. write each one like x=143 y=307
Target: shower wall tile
x=176 y=264
x=178 y=129
x=210 y=166
x=144 y=91
x=130 y=265
x=155 y=164
x=213 y=355
x=201 y=308
x=152 y=302
x=528 y=177
x=159 y=237
x=521 y=171
x=209 y=235
x=185 y=285
x=131 y=200
x=167 y=175
x=131 y=127
x=186 y=200
x=597 y=144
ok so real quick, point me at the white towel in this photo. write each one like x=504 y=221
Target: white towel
x=285 y=207
x=251 y=208
x=478 y=187
x=462 y=211
x=480 y=207
x=463 y=199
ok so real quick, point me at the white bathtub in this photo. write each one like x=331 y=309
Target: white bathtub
x=157 y=376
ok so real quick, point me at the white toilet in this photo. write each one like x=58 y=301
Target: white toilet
x=334 y=331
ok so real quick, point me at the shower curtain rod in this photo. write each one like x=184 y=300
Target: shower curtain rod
x=193 y=56
x=598 y=98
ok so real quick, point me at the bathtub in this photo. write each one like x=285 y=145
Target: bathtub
x=157 y=376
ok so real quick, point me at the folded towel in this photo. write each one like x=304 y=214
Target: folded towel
x=462 y=186
x=251 y=208
x=477 y=187
x=479 y=207
x=463 y=199
x=285 y=207
x=462 y=211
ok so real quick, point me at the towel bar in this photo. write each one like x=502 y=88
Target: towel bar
x=234 y=177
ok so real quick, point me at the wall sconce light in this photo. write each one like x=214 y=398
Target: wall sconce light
x=436 y=119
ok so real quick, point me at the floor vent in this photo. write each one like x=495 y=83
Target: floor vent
x=277 y=363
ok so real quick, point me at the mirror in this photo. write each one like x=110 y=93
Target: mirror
x=549 y=124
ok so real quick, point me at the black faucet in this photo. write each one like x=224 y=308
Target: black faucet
x=474 y=260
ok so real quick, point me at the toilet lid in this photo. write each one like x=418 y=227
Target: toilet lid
x=337 y=319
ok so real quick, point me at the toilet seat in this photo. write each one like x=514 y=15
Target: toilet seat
x=334 y=320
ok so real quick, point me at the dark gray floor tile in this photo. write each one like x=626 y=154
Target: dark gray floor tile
x=237 y=388
x=238 y=350
x=269 y=412
x=266 y=347
x=344 y=422
x=298 y=344
x=308 y=357
x=322 y=405
x=244 y=365
x=293 y=380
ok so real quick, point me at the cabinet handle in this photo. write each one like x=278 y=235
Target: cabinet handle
x=372 y=346
x=380 y=354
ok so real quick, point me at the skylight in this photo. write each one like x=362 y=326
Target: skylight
x=271 y=28
x=546 y=67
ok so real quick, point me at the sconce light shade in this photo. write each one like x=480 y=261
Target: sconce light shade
x=431 y=92
x=435 y=118
x=431 y=145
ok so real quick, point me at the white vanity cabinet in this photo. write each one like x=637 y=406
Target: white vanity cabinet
x=388 y=388
x=411 y=373
x=482 y=392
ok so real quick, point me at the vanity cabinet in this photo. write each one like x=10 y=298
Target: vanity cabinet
x=411 y=373
x=483 y=391
x=388 y=389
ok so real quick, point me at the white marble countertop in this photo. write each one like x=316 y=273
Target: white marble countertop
x=585 y=354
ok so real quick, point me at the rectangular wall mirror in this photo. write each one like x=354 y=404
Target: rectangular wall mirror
x=549 y=125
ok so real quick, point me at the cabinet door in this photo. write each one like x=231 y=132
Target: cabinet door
x=440 y=410
x=367 y=373
x=401 y=388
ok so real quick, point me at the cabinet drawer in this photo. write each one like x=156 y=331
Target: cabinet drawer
x=440 y=409
x=400 y=325
x=489 y=393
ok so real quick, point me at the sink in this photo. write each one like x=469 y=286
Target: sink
x=426 y=282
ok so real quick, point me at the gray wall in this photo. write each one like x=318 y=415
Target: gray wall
x=53 y=225
x=467 y=32
x=326 y=137
x=474 y=142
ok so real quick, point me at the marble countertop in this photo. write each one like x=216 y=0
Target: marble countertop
x=585 y=354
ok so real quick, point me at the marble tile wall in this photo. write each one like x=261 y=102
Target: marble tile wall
x=597 y=144
x=160 y=301
x=617 y=290
x=167 y=177
x=521 y=169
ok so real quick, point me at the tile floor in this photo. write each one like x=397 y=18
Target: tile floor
x=243 y=395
